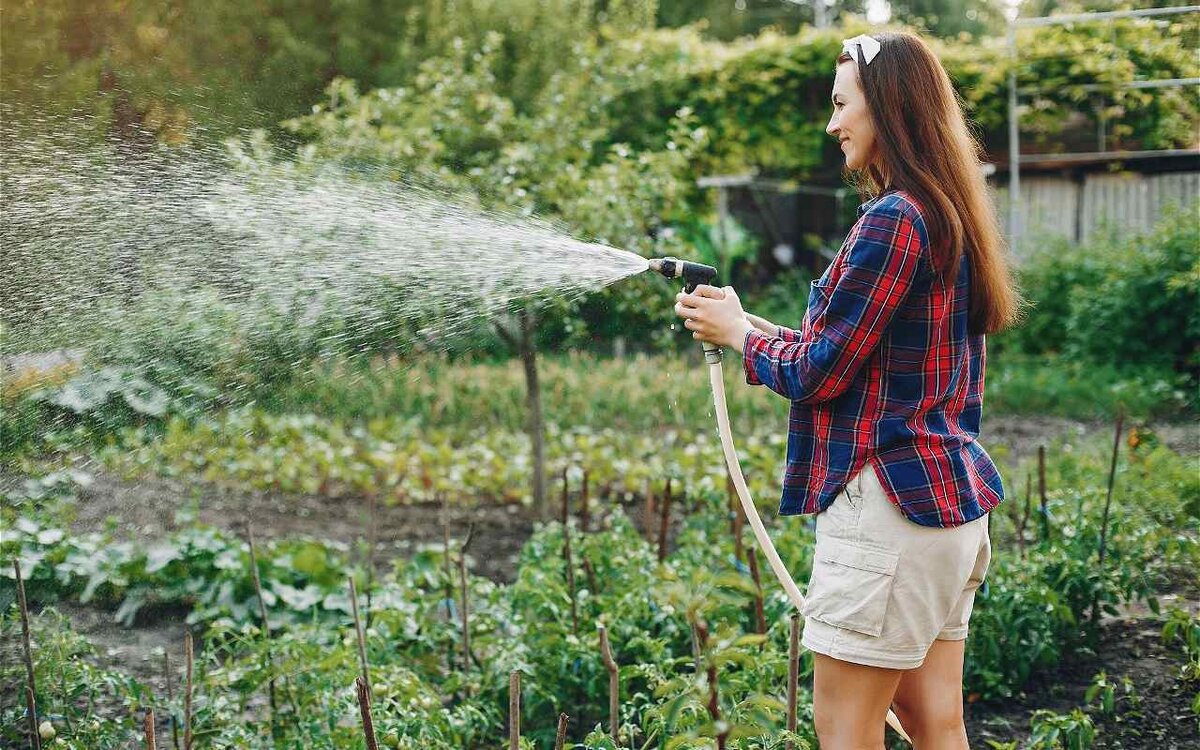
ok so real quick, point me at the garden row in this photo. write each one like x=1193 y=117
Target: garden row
x=692 y=627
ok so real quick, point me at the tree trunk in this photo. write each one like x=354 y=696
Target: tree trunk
x=533 y=398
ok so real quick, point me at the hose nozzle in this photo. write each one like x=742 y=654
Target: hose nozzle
x=693 y=274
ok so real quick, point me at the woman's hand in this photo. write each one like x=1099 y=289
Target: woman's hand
x=714 y=315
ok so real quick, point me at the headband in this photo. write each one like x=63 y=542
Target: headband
x=868 y=45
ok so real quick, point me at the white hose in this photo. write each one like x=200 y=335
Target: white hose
x=712 y=355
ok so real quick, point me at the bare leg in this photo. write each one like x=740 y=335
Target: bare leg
x=929 y=699
x=850 y=703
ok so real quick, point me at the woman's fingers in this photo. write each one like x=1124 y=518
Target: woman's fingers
x=711 y=292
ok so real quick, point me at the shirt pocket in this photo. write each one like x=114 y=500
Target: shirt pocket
x=851 y=584
x=818 y=302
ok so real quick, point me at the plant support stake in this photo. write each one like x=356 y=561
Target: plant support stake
x=35 y=739
x=614 y=686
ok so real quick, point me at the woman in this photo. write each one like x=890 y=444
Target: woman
x=885 y=376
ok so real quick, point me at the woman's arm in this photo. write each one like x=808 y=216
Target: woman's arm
x=881 y=265
x=764 y=325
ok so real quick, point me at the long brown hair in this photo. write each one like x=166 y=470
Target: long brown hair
x=925 y=147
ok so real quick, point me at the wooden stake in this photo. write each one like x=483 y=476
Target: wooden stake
x=585 y=510
x=1112 y=476
x=1025 y=514
x=358 y=632
x=372 y=538
x=593 y=585
x=614 y=686
x=648 y=514
x=569 y=562
x=170 y=678
x=1045 y=516
x=560 y=738
x=187 y=695
x=35 y=739
x=449 y=565
x=760 y=619
x=364 y=711
x=714 y=702
x=465 y=606
x=731 y=501
x=266 y=624
x=793 y=676
x=664 y=522
x=148 y=726
x=566 y=500
x=514 y=710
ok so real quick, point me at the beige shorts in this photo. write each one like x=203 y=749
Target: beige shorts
x=884 y=588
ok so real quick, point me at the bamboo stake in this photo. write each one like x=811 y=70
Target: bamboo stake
x=148 y=726
x=760 y=619
x=364 y=711
x=266 y=625
x=514 y=710
x=358 y=632
x=664 y=522
x=570 y=563
x=171 y=698
x=187 y=695
x=35 y=739
x=614 y=686
x=560 y=738
x=793 y=676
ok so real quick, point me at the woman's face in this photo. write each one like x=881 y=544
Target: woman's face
x=851 y=121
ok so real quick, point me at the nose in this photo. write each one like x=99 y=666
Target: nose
x=833 y=127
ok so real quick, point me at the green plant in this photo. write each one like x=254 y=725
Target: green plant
x=1054 y=731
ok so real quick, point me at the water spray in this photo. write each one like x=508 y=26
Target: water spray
x=694 y=274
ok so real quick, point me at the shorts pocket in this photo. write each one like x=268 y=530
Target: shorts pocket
x=851 y=584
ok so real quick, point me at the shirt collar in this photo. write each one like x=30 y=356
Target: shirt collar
x=864 y=207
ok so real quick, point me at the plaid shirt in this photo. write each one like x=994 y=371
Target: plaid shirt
x=883 y=371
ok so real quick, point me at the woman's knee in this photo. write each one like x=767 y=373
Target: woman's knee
x=929 y=718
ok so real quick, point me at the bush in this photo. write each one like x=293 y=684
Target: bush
x=1130 y=303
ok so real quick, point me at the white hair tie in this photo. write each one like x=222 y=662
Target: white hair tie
x=868 y=45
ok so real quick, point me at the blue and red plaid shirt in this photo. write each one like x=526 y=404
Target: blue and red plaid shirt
x=883 y=371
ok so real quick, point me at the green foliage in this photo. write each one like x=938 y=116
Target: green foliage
x=1182 y=628
x=1054 y=731
x=1120 y=303
x=1032 y=611
x=90 y=708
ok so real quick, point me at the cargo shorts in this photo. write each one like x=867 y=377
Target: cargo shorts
x=884 y=588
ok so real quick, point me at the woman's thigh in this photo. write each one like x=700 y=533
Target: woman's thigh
x=851 y=701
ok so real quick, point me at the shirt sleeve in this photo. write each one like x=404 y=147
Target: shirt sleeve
x=881 y=266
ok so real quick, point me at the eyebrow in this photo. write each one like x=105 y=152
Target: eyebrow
x=834 y=97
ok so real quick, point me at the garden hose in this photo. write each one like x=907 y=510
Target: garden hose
x=712 y=356
x=694 y=274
